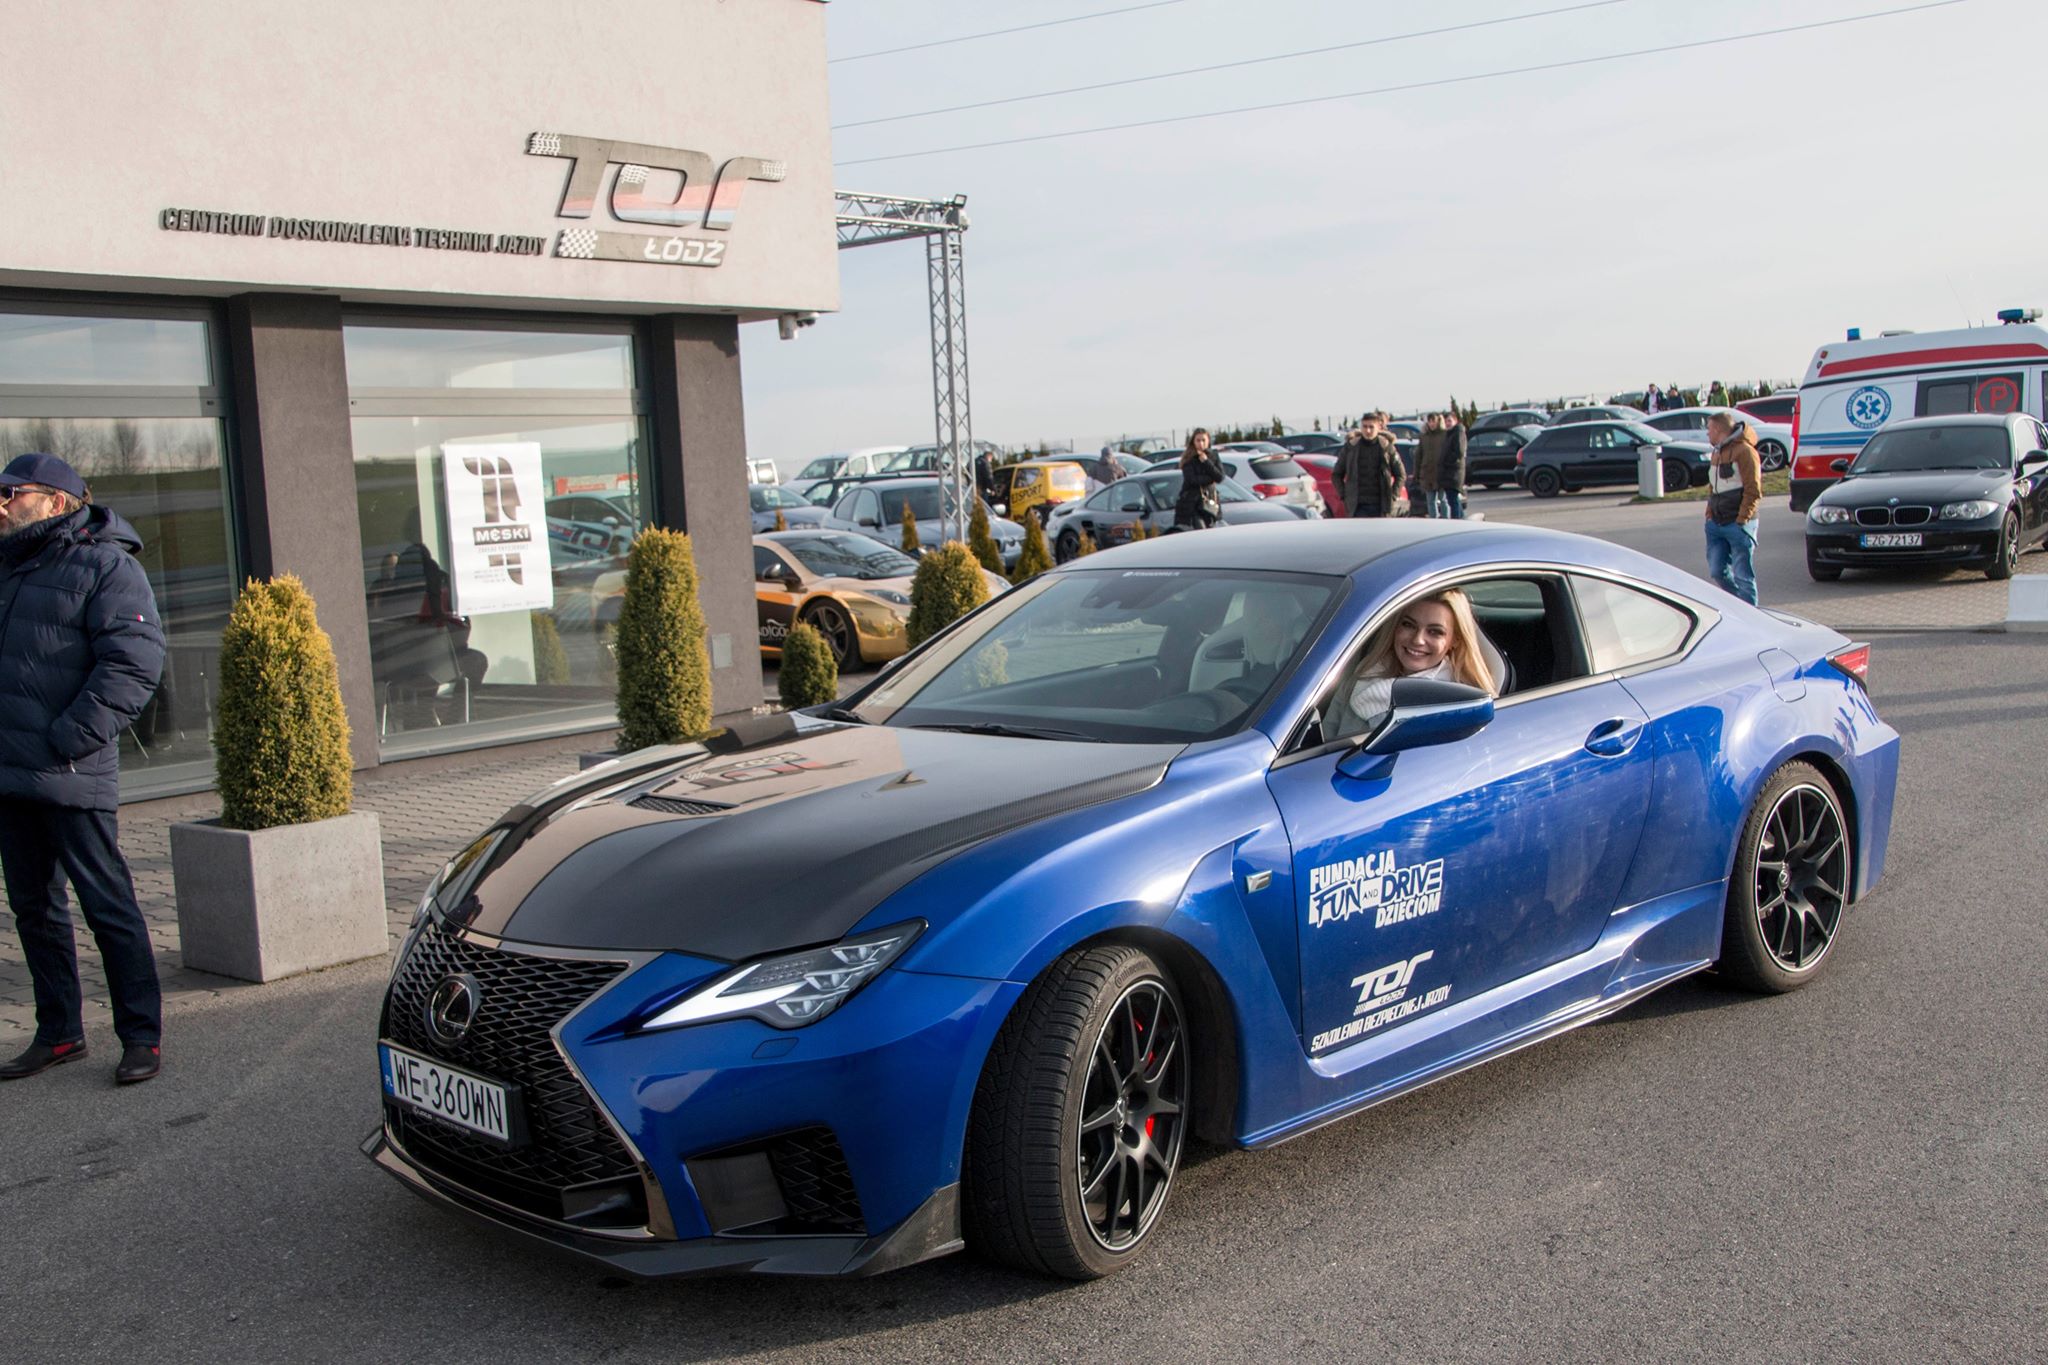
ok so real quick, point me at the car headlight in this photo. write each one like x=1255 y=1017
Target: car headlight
x=795 y=989
x=1968 y=511
x=1823 y=515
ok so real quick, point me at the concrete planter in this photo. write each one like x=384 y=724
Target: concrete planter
x=263 y=904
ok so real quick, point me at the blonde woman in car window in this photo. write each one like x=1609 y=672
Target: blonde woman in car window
x=1432 y=637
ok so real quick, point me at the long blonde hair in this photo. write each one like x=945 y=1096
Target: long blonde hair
x=1467 y=659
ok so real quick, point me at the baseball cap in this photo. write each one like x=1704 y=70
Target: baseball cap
x=46 y=470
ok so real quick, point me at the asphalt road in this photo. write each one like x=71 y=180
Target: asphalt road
x=1850 y=1172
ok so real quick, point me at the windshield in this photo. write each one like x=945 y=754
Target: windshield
x=1972 y=447
x=824 y=467
x=767 y=497
x=924 y=503
x=842 y=554
x=1649 y=435
x=1131 y=656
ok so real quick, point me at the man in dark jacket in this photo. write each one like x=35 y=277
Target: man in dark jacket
x=1450 y=469
x=1368 y=474
x=81 y=652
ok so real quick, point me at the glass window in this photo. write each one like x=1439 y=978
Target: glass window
x=1625 y=627
x=488 y=623
x=160 y=467
x=841 y=554
x=430 y=359
x=46 y=348
x=768 y=564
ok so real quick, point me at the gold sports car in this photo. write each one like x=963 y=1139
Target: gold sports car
x=855 y=590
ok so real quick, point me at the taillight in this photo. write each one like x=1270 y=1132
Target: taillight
x=1854 y=661
x=1795 y=431
x=1271 y=490
x=1519 y=453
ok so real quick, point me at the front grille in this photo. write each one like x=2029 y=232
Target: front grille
x=1873 y=516
x=669 y=805
x=521 y=997
x=1912 y=516
x=816 y=1185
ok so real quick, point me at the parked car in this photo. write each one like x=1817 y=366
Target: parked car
x=1773 y=440
x=1491 y=454
x=826 y=492
x=924 y=459
x=765 y=500
x=1776 y=408
x=1271 y=474
x=1035 y=487
x=1511 y=417
x=1564 y=459
x=1311 y=442
x=853 y=589
x=1322 y=467
x=1108 y=515
x=970 y=956
x=875 y=507
x=590 y=526
x=844 y=464
x=1604 y=412
x=1968 y=490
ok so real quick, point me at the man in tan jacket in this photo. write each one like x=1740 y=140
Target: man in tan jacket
x=1736 y=491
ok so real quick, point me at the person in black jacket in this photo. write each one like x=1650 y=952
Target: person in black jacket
x=81 y=652
x=1369 y=474
x=1450 y=467
x=1199 y=506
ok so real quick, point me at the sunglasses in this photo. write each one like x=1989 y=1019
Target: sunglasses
x=9 y=492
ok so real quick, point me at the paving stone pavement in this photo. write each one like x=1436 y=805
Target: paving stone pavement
x=425 y=818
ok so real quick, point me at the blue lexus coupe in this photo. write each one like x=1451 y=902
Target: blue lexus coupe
x=1115 y=863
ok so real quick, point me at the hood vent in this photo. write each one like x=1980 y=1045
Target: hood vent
x=669 y=805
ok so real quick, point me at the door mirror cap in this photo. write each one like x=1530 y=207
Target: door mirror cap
x=1132 y=507
x=1839 y=466
x=871 y=523
x=1425 y=712
x=2034 y=460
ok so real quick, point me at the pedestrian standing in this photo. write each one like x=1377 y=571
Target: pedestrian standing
x=1105 y=471
x=1428 y=449
x=1717 y=395
x=1652 y=400
x=1736 y=491
x=1450 y=468
x=1369 y=475
x=1199 y=506
x=81 y=654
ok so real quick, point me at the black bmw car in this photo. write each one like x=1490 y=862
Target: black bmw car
x=1969 y=490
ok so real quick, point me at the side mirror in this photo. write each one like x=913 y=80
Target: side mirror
x=1132 y=507
x=1839 y=466
x=1425 y=713
x=871 y=523
x=2034 y=460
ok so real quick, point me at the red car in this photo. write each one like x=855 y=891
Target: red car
x=1319 y=467
x=1772 y=407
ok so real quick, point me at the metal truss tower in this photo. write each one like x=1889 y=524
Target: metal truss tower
x=865 y=219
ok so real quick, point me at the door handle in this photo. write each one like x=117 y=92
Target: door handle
x=1613 y=738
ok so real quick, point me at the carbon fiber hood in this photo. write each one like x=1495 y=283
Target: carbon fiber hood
x=784 y=841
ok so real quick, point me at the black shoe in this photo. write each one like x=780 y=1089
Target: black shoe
x=139 y=1061
x=41 y=1057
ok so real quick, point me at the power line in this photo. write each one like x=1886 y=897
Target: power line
x=999 y=32
x=1420 y=85
x=1230 y=66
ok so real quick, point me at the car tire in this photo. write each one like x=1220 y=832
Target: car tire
x=1079 y=1118
x=2005 y=558
x=1790 y=887
x=1771 y=457
x=1545 y=482
x=1822 y=573
x=1066 y=547
x=830 y=620
x=1677 y=478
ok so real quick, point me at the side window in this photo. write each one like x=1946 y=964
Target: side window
x=1994 y=393
x=1164 y=492
x=1099 y=502
x=1603 y=438
x=767 y=563
x=1625 y=627
x=867 y=506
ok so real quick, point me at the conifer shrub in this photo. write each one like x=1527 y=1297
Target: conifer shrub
x=982 y=541
x=781 y=522
x=1085 y=545
x=809 y=675
x=910 y=540
x=664 y=663
x=281 y=744
x=948 y=585
x=550 y=659
x=1037 y=556
x=992 y=665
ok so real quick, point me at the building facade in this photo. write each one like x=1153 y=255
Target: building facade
x=434 y=306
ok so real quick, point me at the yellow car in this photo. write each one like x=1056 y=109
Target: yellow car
x=1036 y=486
x=855 y=590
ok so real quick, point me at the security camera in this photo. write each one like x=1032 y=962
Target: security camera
x=787 y=323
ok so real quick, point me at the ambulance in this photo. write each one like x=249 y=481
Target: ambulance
x=1855 y=386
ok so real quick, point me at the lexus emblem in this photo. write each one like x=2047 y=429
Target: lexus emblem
x=451 y=1009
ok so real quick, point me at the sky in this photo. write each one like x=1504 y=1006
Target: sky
x=1686 y=216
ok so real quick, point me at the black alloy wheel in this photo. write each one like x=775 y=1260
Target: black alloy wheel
x=1677 y=478
x=1544 y=482
x=1067 y=546
x=2005 y=558
x=1791 y=883
x=1771 y=456
x=1080 y=1117
x=832 y=622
